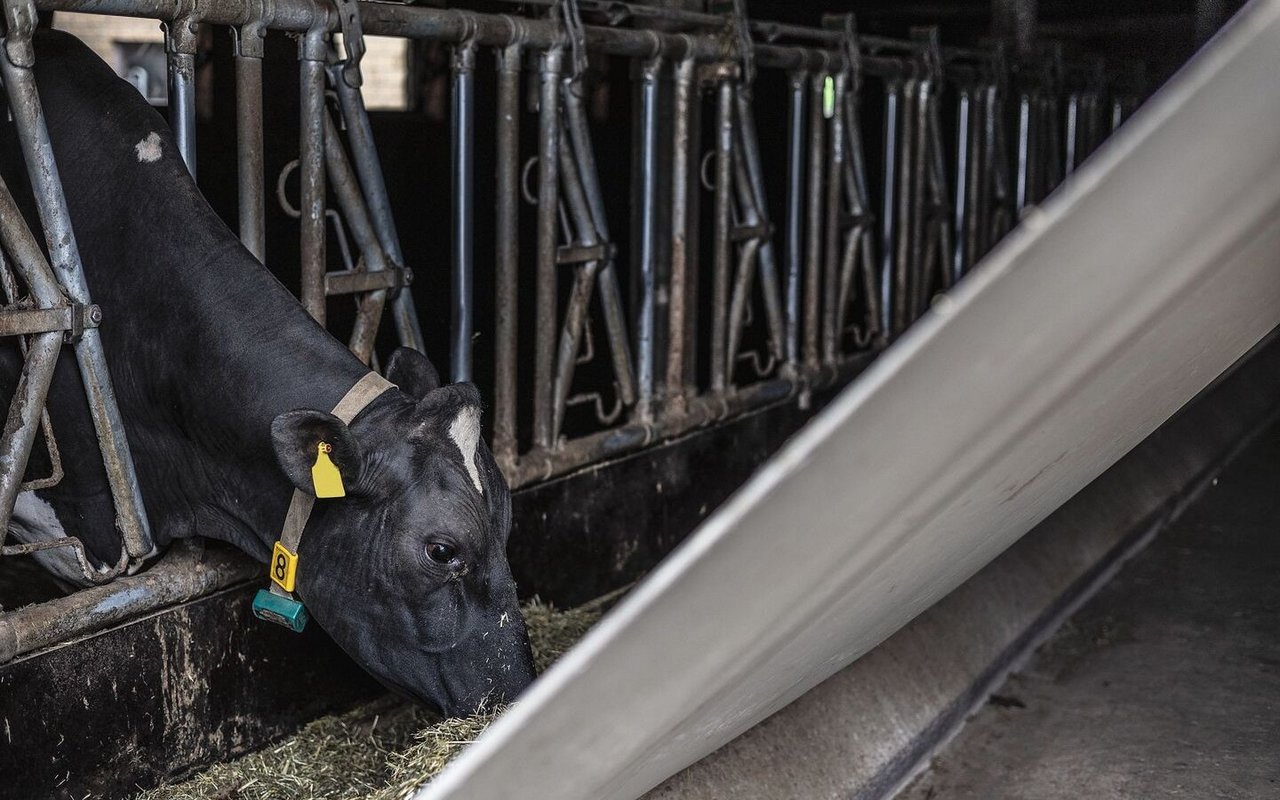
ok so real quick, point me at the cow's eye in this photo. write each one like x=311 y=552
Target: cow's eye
x=441 y=552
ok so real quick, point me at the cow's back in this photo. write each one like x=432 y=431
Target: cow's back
x=205 y=346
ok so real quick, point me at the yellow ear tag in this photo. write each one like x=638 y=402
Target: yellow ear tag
x=325 y=476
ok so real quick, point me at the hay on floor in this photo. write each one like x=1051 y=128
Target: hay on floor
x=381 y=751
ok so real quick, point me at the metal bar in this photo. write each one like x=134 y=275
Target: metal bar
x=758 y=207
x=1024 y=152
x=918 y=279
x=813 y=233
x=1073 y=134
x=364 y=156
x=548 y=205
x=947 y=253
x=507 y=257
x=249 y=143
x=580 y=252
x=964 y=138
x=648 y=212
x=64 y=257
x=311 y=58
x=377 y=277
x=831 y=278
x=678 y=317
x=26 y=321
x=452 y=25
x=750 y=233
x=360 y=282
x=607 y=279
x=972 y=199
x=847 y=265
x=186 y=572
x=860 y=192
x=9 y=282
x=26 y=409
x=740 y=297
x=749 y=237
x=888 y=208
x=795 y=213
x=903 y=264
x=709 y=409
x=575 y=316
x=723 y=221
x=1005 y=215
x=462 y=319
x=23 y=420
x=180 y=53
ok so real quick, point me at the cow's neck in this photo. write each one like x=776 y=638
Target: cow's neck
x=273 y=359
x=206 y=346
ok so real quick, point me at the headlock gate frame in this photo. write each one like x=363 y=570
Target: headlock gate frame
x=857 y=262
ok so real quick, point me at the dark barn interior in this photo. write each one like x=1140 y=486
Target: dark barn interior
x=659 y=236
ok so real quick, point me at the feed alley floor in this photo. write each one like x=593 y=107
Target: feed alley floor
x=1166 y=684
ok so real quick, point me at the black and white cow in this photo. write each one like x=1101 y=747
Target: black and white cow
x=408 y=572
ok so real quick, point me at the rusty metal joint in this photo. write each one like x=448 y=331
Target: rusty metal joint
x=249 y=39
x=313 y=43
x=679 y=47
x=464 y=54
x=359 y=281
x=180 y=33
x=580 y=253
x=759 y=232
x=864 y=219
x=73 y=318
x=516 y=41
x=352 y=41
x=652 y=66
x=19 y=24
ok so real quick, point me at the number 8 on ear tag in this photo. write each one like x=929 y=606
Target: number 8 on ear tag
x=284 y=567
x=325 y=476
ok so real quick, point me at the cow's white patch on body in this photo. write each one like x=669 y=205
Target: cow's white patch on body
x=33 y=521
x=148 y=149
x=465 y=433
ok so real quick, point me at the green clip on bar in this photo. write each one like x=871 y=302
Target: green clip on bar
x=281 y=610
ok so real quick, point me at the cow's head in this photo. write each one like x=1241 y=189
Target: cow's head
x=408 y=572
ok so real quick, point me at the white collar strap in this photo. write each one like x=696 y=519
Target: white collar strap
x=279 y=605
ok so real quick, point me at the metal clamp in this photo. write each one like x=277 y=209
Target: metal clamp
x=581 y=253
x=358 y=281
x=74 y=319
x=313 y=44
x=180 y=35
x=352 y=41
x=20 y=24
x=571 y=19
x=249 y=39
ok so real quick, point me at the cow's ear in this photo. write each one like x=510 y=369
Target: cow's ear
x=412 y=372
x=450 y=399
x=296 y=436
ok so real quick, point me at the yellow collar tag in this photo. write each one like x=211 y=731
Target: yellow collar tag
x=325 y=476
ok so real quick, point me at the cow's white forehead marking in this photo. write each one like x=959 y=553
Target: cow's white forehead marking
x=465 y=433
x=148 y=149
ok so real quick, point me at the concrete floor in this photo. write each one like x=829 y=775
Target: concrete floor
x=1165 y=684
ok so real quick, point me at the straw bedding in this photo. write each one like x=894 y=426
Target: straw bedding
x=380 y=751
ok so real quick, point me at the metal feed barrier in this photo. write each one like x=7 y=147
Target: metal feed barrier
x=862 y=253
